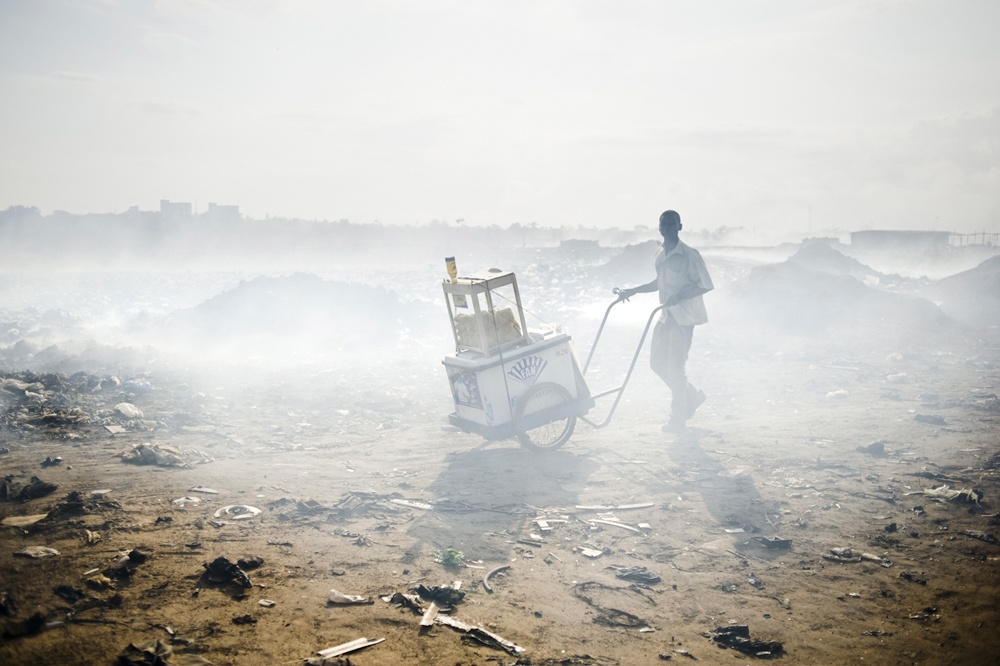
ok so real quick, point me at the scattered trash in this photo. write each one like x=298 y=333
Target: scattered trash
x=480 y=635
x=982 y=536
x=755 y=582
x=635 y=574
x=344 y=648
x=165 y=456
x=336 y=598
x=34 y=489
x=156 y=652
x=23 y=521
x=100 y=494
x=222 y=570
x=203 y=489
x=944 y=492
x=592 y=553
x=843 y=555
x=486 y=578
x=36 y=552
x=413 y=504
x=238 y=512
x=876 y=449
x=52 y=462
x=128 y=410
x=738 y=638
x=619 y=507
x=876 y=632
x=450 y=557
x=69 y=593
x=183 y=501
x=773 y=543
x=912 y=577
x=613 y=523
x=443 y=595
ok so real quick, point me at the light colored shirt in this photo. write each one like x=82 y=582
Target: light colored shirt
x=677 y=270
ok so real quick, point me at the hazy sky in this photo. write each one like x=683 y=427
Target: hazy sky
x=790 y=114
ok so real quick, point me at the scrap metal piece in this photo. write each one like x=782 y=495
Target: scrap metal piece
x=613 y=523
x=487 y=638
x=486 y=578
x=350 y=646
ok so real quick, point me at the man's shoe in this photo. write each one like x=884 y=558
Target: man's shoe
x=698 y=401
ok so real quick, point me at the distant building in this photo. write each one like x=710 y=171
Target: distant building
x=217 y=212
x=899 y=240
x=175 y=208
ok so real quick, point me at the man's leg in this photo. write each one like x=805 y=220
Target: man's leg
x=667 y=357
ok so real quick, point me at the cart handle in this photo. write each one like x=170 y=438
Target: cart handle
x=635 y=357
x=617 y=292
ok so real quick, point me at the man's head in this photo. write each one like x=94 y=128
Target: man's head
x=670 y=223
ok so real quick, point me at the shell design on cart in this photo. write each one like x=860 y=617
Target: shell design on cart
x=509 y=382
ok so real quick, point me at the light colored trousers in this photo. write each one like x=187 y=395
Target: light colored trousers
x=668 y=354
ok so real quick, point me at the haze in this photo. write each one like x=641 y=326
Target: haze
x=775 y=116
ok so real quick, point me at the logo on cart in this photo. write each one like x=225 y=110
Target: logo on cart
x=465 y=388
x=527 y=369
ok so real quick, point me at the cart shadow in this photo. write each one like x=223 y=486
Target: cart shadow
x=488 y=496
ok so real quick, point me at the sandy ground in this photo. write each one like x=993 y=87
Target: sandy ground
x=774 y=453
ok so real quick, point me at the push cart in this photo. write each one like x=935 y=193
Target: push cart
x=509 y=382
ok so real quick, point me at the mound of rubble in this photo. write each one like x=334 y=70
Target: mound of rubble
x=972 y=296
x=797 y=300
x=303 y=312
x=826 y=259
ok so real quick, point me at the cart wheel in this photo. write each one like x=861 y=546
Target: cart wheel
x=549 y=435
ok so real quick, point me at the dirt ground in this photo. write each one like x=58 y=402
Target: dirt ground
x=362 y=487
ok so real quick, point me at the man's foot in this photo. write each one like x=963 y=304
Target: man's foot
x=694 y=403
x=674 y=427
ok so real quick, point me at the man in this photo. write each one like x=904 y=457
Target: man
x=681 y=280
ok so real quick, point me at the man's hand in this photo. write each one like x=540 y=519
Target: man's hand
x=624 y=294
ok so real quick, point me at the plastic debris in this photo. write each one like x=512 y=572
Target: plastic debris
x=128 y=410
x=774 y=543
x=635 y=574
x=450 y=557
x=238 y=512
x=343 y=648
x=156 y=652
x=163 y=455
x=336 y=598
x=22 y=521
x=592 y=553
x=36 y=552
x=222 y=570
x=738 y=638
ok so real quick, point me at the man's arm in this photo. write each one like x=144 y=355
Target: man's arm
x=625 y=294
x=692 y=291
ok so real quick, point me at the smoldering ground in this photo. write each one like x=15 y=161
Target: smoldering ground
x=315 y=385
